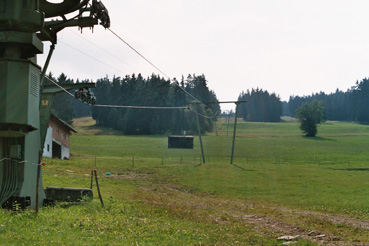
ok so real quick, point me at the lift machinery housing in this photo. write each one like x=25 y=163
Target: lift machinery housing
x=25 y=95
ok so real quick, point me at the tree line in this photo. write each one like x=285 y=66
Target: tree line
x=154 y=91
x=351 y=105
x=260 y=106
x=134 y=90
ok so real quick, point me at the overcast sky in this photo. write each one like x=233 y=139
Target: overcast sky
x=289 y=47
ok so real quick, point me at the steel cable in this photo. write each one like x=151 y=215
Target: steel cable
x=116 y=106
x=147 y=60
x=139 y=107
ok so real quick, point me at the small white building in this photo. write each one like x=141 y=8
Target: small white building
x=57 y=139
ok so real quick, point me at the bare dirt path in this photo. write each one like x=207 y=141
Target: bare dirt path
x=272 y=222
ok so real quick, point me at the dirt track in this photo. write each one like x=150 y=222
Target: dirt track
x=321 y=228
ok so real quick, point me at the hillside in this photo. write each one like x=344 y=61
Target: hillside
x=282 y=184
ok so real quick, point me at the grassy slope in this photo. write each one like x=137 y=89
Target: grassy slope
x=159 y=196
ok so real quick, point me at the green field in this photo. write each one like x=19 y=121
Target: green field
x=281 y=184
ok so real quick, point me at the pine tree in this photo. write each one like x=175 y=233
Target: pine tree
x=63 y=103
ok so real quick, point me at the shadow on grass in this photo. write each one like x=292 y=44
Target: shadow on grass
x=103 y=130
x=249 y=170
x=351 y=169
x=318 y=138
x=238 y=167
x=199 y=165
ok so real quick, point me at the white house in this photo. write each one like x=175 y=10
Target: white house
x=57 y=139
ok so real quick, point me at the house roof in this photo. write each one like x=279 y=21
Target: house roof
x=62 y=122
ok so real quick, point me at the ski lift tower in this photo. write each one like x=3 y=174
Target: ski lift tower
x=24 y=26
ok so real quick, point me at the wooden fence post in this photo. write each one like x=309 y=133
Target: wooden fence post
x=98 y=189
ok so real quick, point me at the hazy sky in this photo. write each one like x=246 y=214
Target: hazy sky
x=289 y=47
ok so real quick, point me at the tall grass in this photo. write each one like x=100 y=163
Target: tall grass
x=153 y=193
x=274 y=163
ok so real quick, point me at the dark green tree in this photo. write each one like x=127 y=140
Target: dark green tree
x=179 y=121
x=360 y=101
x=260 y=107
x=153 y=91
x=63 y=103
x=310 y=115
x=338 y=105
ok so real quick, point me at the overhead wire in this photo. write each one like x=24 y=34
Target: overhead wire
x=138 y=53
x=204 y=116
x=152 y=64
x=199 y=114
x=98 y=60
x=104 y=50
x=148 y=61
x=189 y=94
x=216 y=115
x=21 y=162
x=52 y=81
x=139 y=107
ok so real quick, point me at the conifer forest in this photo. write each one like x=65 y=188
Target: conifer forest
x=155 y=91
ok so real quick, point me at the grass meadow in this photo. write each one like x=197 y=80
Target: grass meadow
x=280 y=183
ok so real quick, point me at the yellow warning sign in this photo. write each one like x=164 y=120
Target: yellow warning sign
x=45 y=102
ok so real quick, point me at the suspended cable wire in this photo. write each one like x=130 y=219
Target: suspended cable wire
x=116 y=106
x=117 y=58
x=22 y=162
x=193 y=97
x=139 y=107
x=138 y=53
x=199 y=114
x=91 y=57
x=147 y=60
x=122 y=106
x=217 y=115
x=217 y=102
x=104 y=50
x=51 y=80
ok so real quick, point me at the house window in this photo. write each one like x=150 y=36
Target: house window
x=62 y=136
x=57 y=130
x=66 y=137
x=48 y=148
